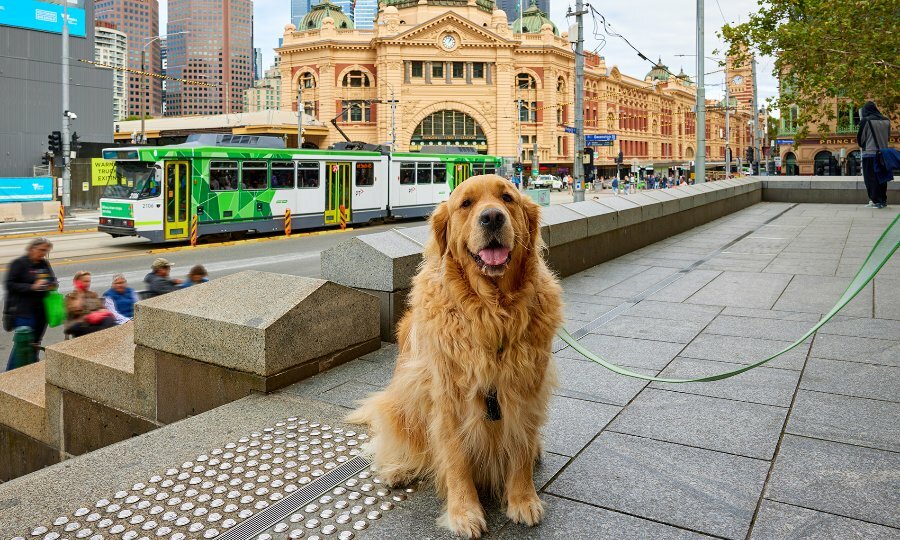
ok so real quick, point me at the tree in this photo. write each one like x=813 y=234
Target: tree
x=825 y=52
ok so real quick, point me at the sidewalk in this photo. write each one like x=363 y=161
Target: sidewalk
x=807 y=446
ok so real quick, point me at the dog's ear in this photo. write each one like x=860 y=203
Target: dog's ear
x=533 y=221
x=440 y=221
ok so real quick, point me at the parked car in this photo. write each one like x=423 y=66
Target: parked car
x=547 y=181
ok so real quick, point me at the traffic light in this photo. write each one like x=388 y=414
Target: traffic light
x=54 y=143
x=749 y=154
x=518 y=167
x=620 y=158
x=46 y=158
x=74 y=145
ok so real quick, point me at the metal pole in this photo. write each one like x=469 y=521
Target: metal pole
x=765 y=135
x=519 y=157
x=141 y=95
x=727 y=128
x=300 y=113
x=393 y=121
x=66 y=173
x=755 y=118
x=578 y=177
x=700 y=154
x=535 y=162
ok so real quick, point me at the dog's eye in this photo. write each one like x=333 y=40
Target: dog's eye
x=466 y=203
x=507 y=197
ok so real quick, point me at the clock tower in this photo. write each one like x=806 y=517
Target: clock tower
x=740 y=81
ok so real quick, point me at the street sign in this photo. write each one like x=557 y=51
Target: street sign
x=594 y=139
x=784 y=141
x=778 y=161
x=570 y=129
x=601 y=143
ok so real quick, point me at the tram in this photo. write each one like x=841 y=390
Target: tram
x=246 y=183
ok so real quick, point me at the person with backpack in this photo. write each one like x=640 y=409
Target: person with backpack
x=874 y=135
x=28 y=281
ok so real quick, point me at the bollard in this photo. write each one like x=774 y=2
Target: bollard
x=287 y=222
x=194 y=222
x=342 y=214
x=23 y=349
x=62 y=217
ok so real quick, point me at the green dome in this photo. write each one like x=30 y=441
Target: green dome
x=532 y=20
x=660 y=72
x=683 y=78
x=318 y=12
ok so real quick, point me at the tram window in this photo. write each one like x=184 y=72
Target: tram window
x=254 y=175
x=223 y=175
x=440 y=173
x=489 y=169
x=282 y=175
x=308 y=174
x=477 y=169
x=407 y=174
x=365 y=174
x=423 y=173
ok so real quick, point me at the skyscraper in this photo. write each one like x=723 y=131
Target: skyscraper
x=111 y=49
x=216 y=48
x=163 y=64
x=299 y=8
x=257 y=64
x=139 y=20
x=364 y=13
x=514 y=8
x=347 y=6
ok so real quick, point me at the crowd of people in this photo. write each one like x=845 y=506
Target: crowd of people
x=633 y=183
x=31 y=287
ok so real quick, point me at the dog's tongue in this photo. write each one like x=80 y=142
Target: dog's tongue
x=494 y=256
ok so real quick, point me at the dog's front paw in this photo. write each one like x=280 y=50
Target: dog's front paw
x=465 y=522
x=528 y=510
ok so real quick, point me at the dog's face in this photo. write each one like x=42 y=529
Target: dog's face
x=486 y=225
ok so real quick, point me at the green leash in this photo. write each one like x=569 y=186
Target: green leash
x=878 y=256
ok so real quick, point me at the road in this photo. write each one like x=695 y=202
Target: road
x=104 y=257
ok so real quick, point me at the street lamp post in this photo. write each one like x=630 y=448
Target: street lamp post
x=700 y=124
x=142 y=75
x=66 y=173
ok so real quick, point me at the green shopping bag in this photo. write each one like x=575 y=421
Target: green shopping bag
x=55 y=308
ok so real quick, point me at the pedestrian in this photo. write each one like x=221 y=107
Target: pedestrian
x=86 y=312
x=120 y=299
x=158 y=280
x=874 y=133
x=28 y=281
x=196 y=276
x=615 y=185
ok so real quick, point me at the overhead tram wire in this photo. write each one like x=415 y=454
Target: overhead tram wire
x=147 y=73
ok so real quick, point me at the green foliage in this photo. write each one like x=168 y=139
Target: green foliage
x=137 y=117
x=826 y=52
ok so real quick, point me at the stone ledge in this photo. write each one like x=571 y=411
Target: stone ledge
x=22 y=403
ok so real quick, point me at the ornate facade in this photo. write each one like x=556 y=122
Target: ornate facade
x=460 y=74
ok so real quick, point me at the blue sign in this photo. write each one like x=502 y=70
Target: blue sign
x=26 y=189
x=570 y=129
x=784 y=142
x=592 y=140
x=43 y=16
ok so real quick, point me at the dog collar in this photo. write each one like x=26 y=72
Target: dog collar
x=492 y=405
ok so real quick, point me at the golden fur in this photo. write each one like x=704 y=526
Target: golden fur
x=468 y=330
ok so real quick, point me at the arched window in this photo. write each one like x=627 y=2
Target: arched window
x=307 y=80
x=560 y=85
x=525 y=81
x=356 y=79
x=449 y=127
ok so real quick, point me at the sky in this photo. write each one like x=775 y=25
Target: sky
x=658 y=28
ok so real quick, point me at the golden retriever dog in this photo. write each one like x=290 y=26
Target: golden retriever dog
x=472 y=382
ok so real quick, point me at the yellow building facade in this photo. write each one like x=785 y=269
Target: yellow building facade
x=459 y=72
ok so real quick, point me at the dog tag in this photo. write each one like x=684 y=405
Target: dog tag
x=493 y=406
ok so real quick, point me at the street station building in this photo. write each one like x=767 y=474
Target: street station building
x=462 y=73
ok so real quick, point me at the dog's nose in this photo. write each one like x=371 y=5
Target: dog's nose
x=492 y=219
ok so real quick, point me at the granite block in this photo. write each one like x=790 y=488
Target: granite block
x=742 y=289
x=887 y=292
x=669 y=203
x=851 y=379
x=851 y=481
x=864 y=328
x=600 y=219
x=684 y=287
x=674 y=311
x=671 y=331
x=384 y=261
x=726 y=325
x=818 y=294
x=745 y=350
x=564 y=225
x=865 y=422
x=777 y=521
x=258 y=322
x=736 y=427
x=771 y=314
x=651 y=208
x=586 y=380
x=349 y=394
x=22 y=403
x=866 y=350
x=21 y=454
x=764 y=385
x=90 y=425
x=573 y=423
x=637 y=353
x=638 y=283
x=572 y=520
x=688 y=487
x=628 y=212
x=585 y=311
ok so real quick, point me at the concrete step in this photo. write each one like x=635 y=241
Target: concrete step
x=27 y=443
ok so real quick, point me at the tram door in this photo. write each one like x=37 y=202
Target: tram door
x=461 y=171
x=337 y=193
x=177 y=196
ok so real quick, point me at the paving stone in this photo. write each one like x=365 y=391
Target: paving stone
x=771 y=314
x=742 y=289
x=777 y=521
x=762 y=385
x=571 y=520
x=851 y=379
x=374 y=373
x=888 y=304
x=867 y=350
x=682 y=331
x=600 y=277
x=738 y=262
x=852 y=481
x=745 y=350
x=583 y=379
x=818 y=294
x=638 y=353
x=814 y=267
x=585 y=311
x=569 y=296
x=750 y=327
x=349 y=394
x=674 y=311
x=684 y=287
x=760 y=245
x=572 y=423
x=866 y=422
x=638 y=283
x=699 y=489
x=863 y=327
x=736 y=427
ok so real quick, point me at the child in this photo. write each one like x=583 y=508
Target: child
x=196 y=275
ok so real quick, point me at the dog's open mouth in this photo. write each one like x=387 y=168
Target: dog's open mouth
x=493 y=258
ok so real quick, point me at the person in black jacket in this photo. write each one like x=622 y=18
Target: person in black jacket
x=874 y=133
x=28 y=280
